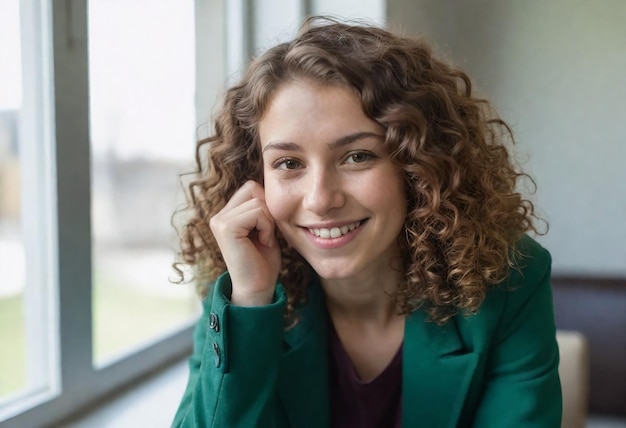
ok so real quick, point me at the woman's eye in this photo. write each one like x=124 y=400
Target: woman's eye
x=287 y=164
x=359 y=157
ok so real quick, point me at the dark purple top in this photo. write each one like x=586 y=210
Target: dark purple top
x=374 y=404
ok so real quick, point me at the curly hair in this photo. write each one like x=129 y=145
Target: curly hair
x=464 y=212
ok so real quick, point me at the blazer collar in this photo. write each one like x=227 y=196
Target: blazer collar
x=303 y=379
x=437 y=371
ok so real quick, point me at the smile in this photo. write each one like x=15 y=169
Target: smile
x=334 y=232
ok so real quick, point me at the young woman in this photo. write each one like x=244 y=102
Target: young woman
x=356 y=215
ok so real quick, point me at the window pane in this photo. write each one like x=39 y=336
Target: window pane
x=12 y=335
x=12 y=266
x=142 y=76
x=26 y=328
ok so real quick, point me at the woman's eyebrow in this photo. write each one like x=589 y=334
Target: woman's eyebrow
x=339 y=142
x=285 y=146
x=349 y=139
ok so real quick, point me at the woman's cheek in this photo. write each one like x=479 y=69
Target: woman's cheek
x=276 y=201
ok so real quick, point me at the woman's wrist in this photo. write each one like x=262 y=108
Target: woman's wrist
x=251 y=299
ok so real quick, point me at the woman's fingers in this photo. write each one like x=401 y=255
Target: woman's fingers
x=250 y=199
x=249 y=190
x=244 y=230
x=240 y=221
x=251 y=216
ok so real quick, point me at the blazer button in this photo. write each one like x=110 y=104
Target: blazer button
x=214 y=322
x=218 y=355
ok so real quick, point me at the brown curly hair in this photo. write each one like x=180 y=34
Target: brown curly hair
x=464 y=212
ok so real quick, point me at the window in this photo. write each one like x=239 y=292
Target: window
x=142 y=123
x=12 y=258
x=28 y=352
x=63 y=238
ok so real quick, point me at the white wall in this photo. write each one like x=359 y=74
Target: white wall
x=274 y=21
x=368 y=10
x=557 y=72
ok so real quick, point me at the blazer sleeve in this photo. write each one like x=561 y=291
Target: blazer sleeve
x=234 y=366
x=522 y=386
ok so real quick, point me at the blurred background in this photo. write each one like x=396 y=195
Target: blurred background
x=100 y=105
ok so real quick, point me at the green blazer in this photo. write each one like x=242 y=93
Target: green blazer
x=498 y=368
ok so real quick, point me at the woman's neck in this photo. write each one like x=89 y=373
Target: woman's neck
x=363 y=300
x=365 y=317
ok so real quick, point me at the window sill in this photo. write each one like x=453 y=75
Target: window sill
x=151 y=402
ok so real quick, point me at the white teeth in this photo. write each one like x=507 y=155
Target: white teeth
x=334 y=232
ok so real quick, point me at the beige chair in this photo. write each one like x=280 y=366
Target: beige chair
x=574 y=373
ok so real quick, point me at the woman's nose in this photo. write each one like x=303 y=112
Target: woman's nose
x=323 y=192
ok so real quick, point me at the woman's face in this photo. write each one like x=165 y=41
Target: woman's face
x=329 y=183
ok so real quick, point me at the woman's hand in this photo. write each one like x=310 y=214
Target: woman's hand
x=245 y=232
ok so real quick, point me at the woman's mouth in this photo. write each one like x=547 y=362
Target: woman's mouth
x=334 y=232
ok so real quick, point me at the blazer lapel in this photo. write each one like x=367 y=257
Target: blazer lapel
x=437 y=373
x=303 y=379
